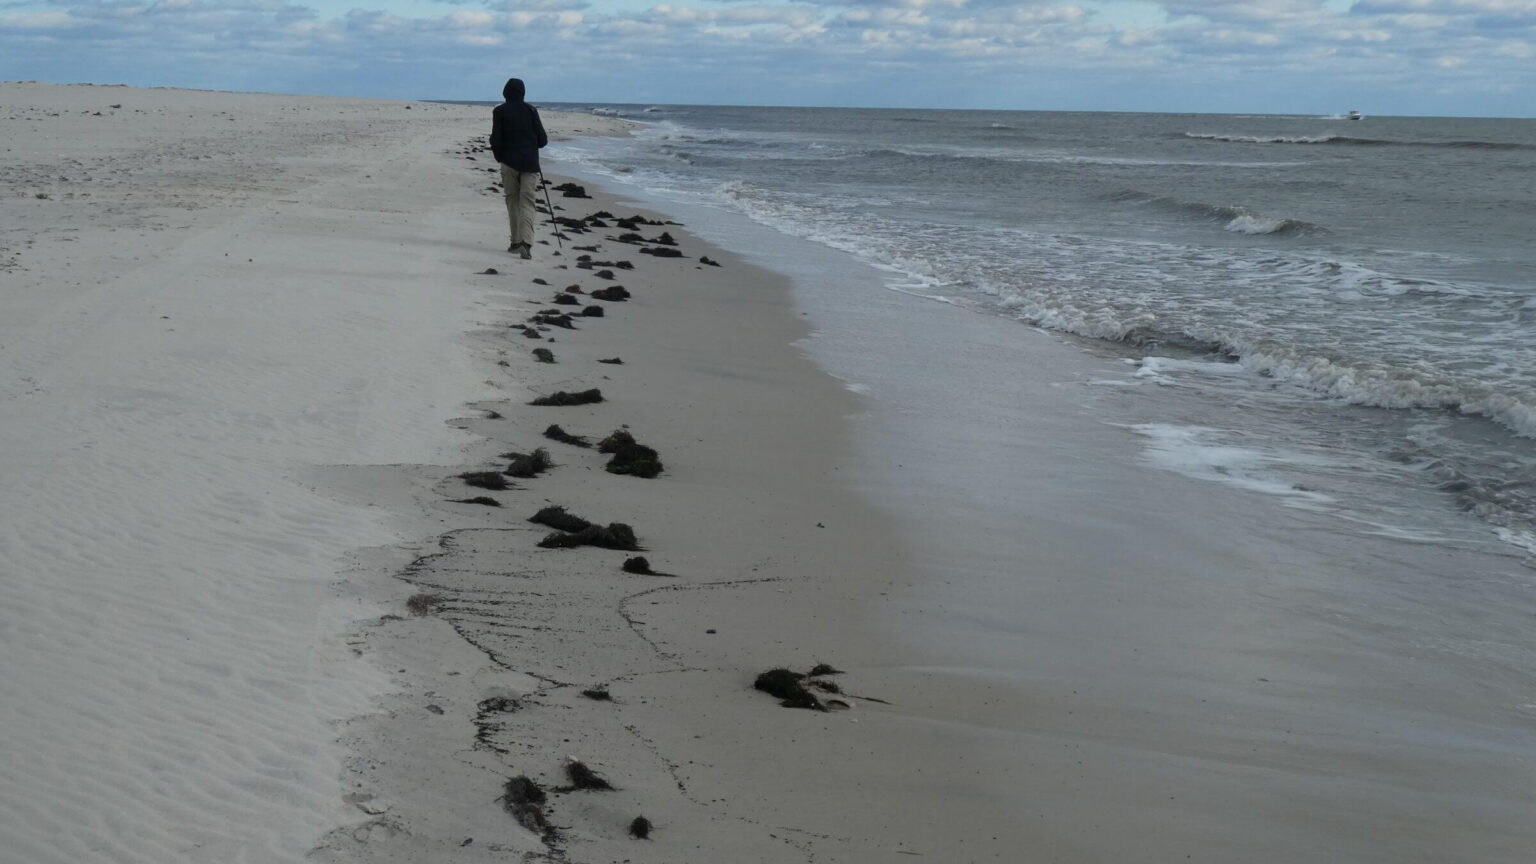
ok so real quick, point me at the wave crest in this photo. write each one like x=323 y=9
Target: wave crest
x=1237 y=219
x=1353 y=140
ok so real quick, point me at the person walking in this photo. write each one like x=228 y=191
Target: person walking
x=517 y=134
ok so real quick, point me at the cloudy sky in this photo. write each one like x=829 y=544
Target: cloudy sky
x=1456 y=57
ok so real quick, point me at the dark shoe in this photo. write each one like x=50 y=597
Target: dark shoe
x=512 y=247
x=525 y=253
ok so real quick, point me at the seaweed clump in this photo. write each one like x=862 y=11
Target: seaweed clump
x=789 y=688
x=639 y=565
x=498 y=705
x=485 y=480
x=583 y=777
x=526 y=465
x=612 y=294
x=560 y=397
x=554 y=432
x=524 y=801
x=543 y=355
x=554 y=318
x=629 y=456
x=558 y=519
x=482 y=500
x=616 y=536
x=423 y=604
x=640 y=828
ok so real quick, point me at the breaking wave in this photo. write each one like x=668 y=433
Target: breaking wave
x=1353 y=140
x=1237 y=219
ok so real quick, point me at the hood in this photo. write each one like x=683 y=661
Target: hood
x=513 y=92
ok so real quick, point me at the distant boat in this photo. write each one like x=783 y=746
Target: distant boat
x=1355 y=115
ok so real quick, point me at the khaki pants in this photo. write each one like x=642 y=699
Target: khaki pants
x=521 y=188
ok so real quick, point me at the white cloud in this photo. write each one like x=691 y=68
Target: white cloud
x=47 y=20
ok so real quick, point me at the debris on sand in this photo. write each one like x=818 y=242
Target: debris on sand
x=660 y=251
x=592 y=312
x=571 y=190
x=612 y=294
x=598 y=694
x=616 y=536
x=560 y=397
x=641 y=220
x=489 y=271
x=532 y=333
x=498 y=705
x=482 y=500
x=538 y=281
x=793 y=688
x=629 y=456
x=613 y=361
x=492 y=480
x=557 y=518
x=566 y=300
x=587 y=262
x=524 y=801
x=543 y=355
x=556 y=433
x=639 y=565
x=640 y=829
x=664 y=240
x=526 y=465
x=554 y=318
x=705 y=259
x=423 y=604
x=583 y=777
x=788 y=687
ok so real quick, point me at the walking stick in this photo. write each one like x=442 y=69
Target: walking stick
x=544 y=184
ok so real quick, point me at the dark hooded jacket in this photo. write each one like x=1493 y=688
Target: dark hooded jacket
x=516 y=131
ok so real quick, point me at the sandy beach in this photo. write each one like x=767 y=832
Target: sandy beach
x=272 y=592
x=254 y=343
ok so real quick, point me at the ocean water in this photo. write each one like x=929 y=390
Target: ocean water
x=1344 y=310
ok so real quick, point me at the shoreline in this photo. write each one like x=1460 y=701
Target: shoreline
x=1150 y=665
x=774 y=561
